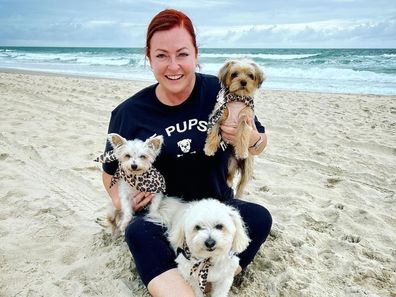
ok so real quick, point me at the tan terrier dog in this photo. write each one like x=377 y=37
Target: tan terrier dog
x=240 y=79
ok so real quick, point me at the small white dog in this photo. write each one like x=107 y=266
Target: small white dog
x=135 y=172
x=206 y=237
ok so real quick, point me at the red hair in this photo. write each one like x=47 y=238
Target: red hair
x=166 y=20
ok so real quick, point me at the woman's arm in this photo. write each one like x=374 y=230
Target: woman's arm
x=113 y=191
x=257 y=142
x=139 y=201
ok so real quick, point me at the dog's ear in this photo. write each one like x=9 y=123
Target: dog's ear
x=155 y=143
x=241 y=239
x=224 y=71
x=259 y=75
x=176 y=235
x=116 y=140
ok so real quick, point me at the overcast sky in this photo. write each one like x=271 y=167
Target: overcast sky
x=219 y=23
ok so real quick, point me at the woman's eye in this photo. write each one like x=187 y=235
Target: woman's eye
x=160 y=56
x=183 y=54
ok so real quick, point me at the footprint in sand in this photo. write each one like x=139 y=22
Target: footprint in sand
x=3 y=156
x=332 y=182
x=352 y=238
x=339 y=206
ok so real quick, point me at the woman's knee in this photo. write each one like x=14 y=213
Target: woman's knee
x=257 y=218
x=139 y=230
x=260 y=222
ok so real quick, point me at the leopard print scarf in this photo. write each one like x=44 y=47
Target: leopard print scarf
x=150 y=181
x=201 y=265
x=224 y=97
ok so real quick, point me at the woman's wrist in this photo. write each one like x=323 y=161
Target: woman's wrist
x=257 y=142
x=255 y=137
x=259 y=145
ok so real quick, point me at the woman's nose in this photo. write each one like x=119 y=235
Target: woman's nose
x=173 y=64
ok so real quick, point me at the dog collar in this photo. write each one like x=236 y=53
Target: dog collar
x=224 y=97
x=149 y=181
x=201 y=266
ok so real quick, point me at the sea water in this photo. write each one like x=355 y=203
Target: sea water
x=359 y=71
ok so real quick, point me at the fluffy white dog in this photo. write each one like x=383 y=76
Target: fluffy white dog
x=207 y=238
x=135 y=174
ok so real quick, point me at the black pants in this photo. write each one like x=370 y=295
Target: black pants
x=153 y=254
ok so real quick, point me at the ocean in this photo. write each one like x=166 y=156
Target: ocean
x=358 y=71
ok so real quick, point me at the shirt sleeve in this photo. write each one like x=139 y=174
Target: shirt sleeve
x=259 y=126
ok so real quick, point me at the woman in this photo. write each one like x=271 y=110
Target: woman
x=178 y=107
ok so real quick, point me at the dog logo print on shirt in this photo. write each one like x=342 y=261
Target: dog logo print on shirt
x=185 y=146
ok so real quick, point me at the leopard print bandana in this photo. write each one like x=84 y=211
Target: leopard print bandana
x=201 y=265
x=224 y=97
x=150 y=181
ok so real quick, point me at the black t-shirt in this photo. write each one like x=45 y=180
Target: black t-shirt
x=188 y=172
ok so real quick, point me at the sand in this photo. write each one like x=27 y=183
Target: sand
x=328 y=177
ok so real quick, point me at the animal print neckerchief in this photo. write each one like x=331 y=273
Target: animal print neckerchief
x=201 y=265
x=224 y=97
x=150 y=181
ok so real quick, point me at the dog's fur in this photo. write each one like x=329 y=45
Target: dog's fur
x=136 y=157
x=241 y=78
x=210 y=229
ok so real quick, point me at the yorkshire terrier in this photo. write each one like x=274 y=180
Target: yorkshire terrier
x=240 y=79
x=134 y=174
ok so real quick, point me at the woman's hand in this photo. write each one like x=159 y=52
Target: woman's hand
x=141 y=200
x=228 y=133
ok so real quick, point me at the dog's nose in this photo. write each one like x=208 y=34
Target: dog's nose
x=210 y=243
x=243 y=83
x=134 y=166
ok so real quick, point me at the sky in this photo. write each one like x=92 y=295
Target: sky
x=218 y=23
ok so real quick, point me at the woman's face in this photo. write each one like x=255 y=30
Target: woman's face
x=173 y=60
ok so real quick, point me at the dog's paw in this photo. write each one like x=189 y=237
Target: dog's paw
x=241 y=155
x=124 y=223
x=210 y=150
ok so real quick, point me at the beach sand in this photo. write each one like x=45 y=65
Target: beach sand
x=328 y=177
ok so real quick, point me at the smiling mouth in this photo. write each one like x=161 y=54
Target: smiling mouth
x=174 y=77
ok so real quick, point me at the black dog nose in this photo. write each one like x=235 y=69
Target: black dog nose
x=134 y=166
x=243 y=83
x=210 y=243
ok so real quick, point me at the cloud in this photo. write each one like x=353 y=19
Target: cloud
x=223 y=23
x=312 y=34
x=182 y=4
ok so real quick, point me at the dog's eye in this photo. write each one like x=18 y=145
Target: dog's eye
x=234 y=74
x=127 y=156
x=219 y=227
x=197 y=228
x=251 y=76
x=143 y=157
